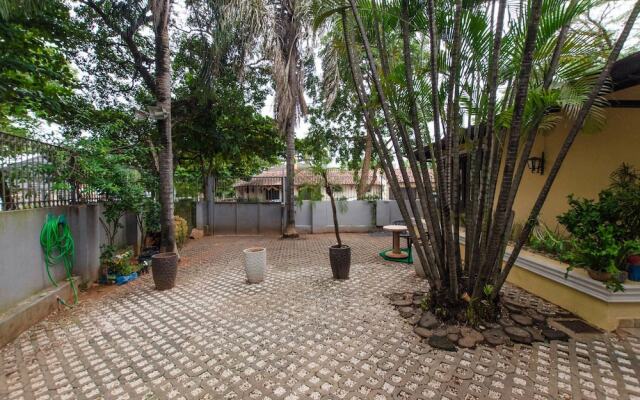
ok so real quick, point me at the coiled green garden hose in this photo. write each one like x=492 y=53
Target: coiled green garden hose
x=57 y=244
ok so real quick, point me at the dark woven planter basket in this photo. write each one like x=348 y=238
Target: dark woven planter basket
x=164 y=267
x=340 y=259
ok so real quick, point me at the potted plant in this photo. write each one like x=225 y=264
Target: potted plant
x=600 y=254
x=632 y=252
x=255 y=263
x=339 y=254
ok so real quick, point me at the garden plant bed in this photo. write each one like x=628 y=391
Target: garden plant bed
x=517 y=322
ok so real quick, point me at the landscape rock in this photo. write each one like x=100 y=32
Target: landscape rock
x=196 y=233
x=414 y=318
x=422 y=332
x=440 y=332
x=472 y=334
x=453 y=329
x=536 y=317
x=513 y=305
x=442 y=343
x=522 y=319
x=401 y=300
x=518 y=335
x=467 y=342
x=495 y=337
x=506 y=321
x=453 y=337
x=428 y=320
x=536 y=334
x=553 y=334
x=406 y=312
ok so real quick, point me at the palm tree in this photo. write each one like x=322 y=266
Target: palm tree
x=500 y=78
x=289 y=19
x=283 y=25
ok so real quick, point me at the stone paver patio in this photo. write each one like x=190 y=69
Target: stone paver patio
x=297 y=335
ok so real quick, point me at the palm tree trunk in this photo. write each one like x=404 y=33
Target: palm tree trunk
x=501 y=214
x=334 y=212
x=290 y=228
x=363 y=184
x=393 y=129
x=386 y=160
x=161 y=14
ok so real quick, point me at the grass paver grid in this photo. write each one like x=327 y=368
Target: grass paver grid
x=298 y=335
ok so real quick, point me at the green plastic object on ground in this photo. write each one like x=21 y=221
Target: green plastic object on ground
x=57 y=244
x=407 y=260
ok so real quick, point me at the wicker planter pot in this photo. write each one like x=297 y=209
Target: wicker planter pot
x=255 y=263
x=340 y=259
x=164 y=267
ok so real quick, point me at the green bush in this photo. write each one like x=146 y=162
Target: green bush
x=182 y=230
x=606 y=231
x=618 y=207
x=116 y=263
x=550 y=242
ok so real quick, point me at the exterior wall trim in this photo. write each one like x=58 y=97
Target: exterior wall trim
x=577 y=280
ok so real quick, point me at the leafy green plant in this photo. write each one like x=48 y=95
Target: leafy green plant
x=599 y=252
x=115 y=263
x=549 y=242
x=618 y=206
x=631 y=248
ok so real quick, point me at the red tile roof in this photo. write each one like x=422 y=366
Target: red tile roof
x=303 y=176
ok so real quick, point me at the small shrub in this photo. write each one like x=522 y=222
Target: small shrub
x=549 y=242
x=114 y=263
x=181 y=230
x=599 y=252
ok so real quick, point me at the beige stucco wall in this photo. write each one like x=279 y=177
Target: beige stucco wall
x=589 y=163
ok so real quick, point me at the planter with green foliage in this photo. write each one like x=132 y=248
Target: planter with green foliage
x=339 y=253
x=605 y=232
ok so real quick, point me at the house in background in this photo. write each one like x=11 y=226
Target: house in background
x=267 y=186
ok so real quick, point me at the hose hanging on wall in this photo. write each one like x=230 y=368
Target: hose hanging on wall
x=57 y=244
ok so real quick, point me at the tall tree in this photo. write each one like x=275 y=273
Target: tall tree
x=290 y=104
x=125 y=23
x=434 y=67
x=37 y=82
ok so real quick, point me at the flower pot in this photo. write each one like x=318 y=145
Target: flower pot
x=634 y=272
x=164 y=268
x=340 y=260
x=603 y=276
x=633 y=260
x=255 y=263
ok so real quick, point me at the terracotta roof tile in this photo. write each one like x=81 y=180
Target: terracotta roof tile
x=304 y=175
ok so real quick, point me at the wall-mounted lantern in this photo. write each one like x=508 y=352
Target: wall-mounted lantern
x=536 y=164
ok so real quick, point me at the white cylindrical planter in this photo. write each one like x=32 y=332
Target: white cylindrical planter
x=255 y=263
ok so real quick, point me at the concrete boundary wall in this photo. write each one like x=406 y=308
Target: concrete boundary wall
x=311 y=216
x=22 y=268
x=353 y=216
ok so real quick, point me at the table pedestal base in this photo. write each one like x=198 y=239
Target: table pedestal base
x=392 y=254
